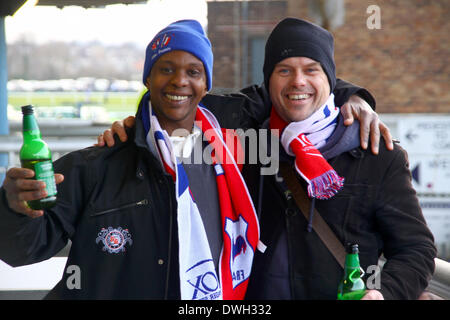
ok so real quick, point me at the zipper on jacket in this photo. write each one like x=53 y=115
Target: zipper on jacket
x=126 y=206
x=169 y=249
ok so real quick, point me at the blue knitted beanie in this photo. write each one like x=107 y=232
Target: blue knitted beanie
x=185 y=35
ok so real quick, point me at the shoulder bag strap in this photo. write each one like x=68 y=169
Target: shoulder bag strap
x=319 y=225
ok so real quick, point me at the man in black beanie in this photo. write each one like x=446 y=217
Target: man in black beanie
x=299 y=38
x=364 y=199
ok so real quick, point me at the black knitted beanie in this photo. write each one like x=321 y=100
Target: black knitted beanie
x=298 y=38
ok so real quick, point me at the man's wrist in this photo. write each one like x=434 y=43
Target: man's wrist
x=364 y=94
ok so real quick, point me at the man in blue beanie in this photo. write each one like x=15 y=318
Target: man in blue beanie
x=185 y=35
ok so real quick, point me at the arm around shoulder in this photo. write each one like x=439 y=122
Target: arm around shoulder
x=344 y=90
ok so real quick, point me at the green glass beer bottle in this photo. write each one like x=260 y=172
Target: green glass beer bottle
x=351 y=287
x=36 y=155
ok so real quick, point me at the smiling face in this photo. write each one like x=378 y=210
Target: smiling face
x=177 y=83
x=298 y=87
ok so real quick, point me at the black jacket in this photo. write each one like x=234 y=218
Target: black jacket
x=113 y=199
x=377 y=209
x=120 y=187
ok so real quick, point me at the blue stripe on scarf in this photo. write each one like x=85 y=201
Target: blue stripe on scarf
x=334 y=122
x=331 y=123
x=326 y=111
x=159 y=135
x=199 y=263
x=183 y=182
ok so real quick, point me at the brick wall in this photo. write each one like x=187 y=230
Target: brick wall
x=405 y=64
x=230 y=26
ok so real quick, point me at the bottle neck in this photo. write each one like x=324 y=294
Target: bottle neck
x=30 y=127
x=352 y=270
x=352 y=261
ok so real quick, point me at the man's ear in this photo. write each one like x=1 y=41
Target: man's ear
x=206 y=89
x=147 y=83
x=205 y=92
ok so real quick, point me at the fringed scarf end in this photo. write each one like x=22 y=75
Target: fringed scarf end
x=325 y=186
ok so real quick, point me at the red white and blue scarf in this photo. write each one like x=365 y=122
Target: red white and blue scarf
x=240 y=227
x=302 y=140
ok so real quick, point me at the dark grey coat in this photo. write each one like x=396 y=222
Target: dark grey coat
x=377 y=209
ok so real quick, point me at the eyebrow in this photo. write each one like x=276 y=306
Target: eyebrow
x=192 y=64
x=311 y=64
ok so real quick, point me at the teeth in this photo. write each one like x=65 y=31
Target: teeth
x=176 y=98
x=299 y=96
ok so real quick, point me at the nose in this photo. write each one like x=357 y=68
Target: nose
x=298 y=79
x=179 y=79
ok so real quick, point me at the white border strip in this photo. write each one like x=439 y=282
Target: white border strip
x=39 y=276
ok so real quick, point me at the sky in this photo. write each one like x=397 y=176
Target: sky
x=114 y=24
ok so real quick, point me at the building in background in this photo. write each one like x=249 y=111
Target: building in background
x=238 y=31
x=405 y=63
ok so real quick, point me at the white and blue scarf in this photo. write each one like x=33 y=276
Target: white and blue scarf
x=240 y=227
x=302 y=139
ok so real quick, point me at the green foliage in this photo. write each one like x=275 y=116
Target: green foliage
x=112 y=101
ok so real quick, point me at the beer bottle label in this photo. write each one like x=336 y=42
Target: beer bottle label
x=44 y=172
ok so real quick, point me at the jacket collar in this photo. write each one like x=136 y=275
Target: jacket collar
x=146 y=153
x=343 y=139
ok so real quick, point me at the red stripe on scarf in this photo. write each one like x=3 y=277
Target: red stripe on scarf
x=234 y=201
x=323 y=181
